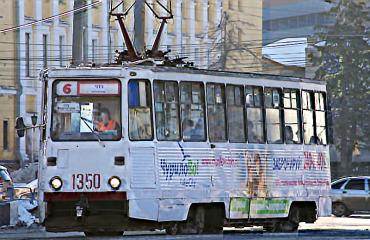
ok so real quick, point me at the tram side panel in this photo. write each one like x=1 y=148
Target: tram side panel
x=253 y=182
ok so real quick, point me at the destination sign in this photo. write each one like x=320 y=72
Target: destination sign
x=88 y=88
x=98 y=88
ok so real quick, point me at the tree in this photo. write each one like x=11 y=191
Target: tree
x=344 y=65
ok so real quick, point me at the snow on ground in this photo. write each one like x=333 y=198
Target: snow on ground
x=26 y=174
x=21 y=213
x=25 y=218
x=354 y=222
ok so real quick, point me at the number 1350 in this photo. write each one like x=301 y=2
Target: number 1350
x=85 y=181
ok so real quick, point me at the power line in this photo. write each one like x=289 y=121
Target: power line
x=51 y=17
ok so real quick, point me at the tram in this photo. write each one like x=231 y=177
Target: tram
x=143 y=146
x=186 y=150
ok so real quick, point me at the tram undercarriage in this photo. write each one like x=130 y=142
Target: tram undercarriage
x=110 y=217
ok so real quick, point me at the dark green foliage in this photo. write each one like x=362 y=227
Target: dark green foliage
x=344 y=64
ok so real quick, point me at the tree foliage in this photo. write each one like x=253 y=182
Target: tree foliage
x=344 y=64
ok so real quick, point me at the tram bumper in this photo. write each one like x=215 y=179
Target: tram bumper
x=105 y=211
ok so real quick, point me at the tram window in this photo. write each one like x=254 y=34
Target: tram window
x=166 y=110
x=192 y=111
x=235 y=113
x=140 y=120
x=255 y=121
x=308 y=117
x=82 y=114
x=320 y=118
x=216 y=108
x=273 y=115
x=292 y=117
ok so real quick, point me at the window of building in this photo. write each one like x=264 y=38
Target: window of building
x=255 y=120
x=192 y=111
x=61 y=50
x=308 y=117
x=93 y=50
x=320 y=117
x=45 y=50
x=292 y=116
x=140 y=113
x=166 y=107
x=216 y=109
x=6 y=135
x=273 y=106
x=235 y=113
x=28 y=63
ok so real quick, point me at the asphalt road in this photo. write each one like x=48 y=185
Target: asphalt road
x=355 y=227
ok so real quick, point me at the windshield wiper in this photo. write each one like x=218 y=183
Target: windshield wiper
x=93 y=131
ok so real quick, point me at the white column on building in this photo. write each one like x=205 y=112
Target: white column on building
x=40 y=30
x=69 y=36
x=23 y=81
x=89 y=32
x=178 y=25
x=205 y=30
x=104 y=43
x=191 y=49
x=55 y=31
x=218 y=18
x=164 y=41
x=149 y=22
x=219 y=11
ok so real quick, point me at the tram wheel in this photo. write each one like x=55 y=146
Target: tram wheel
x=194 y=223
x=285 y=226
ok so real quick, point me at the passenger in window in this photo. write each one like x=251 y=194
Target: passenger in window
x=315 y=140
x=106 y=123
x=188 y=128
x=140 y=124
x=289 y=135
x=253 y=136
x=198 y=132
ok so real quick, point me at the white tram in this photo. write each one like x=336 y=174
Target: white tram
x=189 y=151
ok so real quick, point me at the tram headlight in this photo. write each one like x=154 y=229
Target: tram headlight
x=56 y=183
x=114 y=182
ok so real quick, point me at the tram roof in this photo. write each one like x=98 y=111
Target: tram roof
x=116 y=71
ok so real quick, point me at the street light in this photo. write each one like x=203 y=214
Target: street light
x=34 y=119
x=34 y=122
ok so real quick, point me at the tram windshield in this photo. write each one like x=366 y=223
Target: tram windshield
x=86 y=110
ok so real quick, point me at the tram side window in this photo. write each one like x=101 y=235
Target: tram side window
x=292 y=116
x=308 y=117
x=166 y=110
x=235 y=113
x=255 y=122
x=140 y=121
x=192 y=111
x=273 y=115
x=320 y=118
x=216 y=108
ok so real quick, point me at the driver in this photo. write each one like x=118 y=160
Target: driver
x=106 y=123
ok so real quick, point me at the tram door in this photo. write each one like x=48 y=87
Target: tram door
x=141 y=134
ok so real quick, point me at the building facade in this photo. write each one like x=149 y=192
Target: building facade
x=8 y=85
x=218 y=34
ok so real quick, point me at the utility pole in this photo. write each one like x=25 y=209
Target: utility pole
x=139 y=26
x=79 y=45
